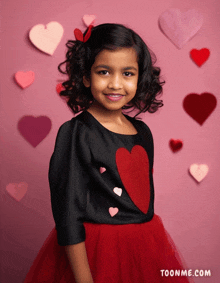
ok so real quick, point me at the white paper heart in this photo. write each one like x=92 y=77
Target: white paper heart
x=199 y=171
x=117 y=191
x=46 y=39
x=180 y=27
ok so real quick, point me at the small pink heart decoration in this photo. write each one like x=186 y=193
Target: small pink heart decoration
x=89 y=19
x=46 y=39
x=180 y=27
x=175 y=145
x=113 y=211
x=17 y=191
x=199 y=171
x=24 y=79
x=102 y=169
x=117 y=191
x=34 y=129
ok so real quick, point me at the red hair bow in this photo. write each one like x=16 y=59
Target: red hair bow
x=79 y=35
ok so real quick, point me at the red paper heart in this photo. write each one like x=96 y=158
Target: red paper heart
x=199 y=107
x=133 y=169
x=176 y=145
x=59 y=87
x=200 y=56
x=34 y=129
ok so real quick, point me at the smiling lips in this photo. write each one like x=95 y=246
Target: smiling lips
x=114 y=96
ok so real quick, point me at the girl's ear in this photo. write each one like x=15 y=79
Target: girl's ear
x=86 y=81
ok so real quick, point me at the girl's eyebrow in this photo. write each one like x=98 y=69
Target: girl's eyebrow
x=107 y=67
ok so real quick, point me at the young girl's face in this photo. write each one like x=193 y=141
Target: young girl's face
x=114 y=77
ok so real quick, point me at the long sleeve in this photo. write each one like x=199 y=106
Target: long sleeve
x=68 y=178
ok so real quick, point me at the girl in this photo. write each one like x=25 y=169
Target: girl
x=100 y=172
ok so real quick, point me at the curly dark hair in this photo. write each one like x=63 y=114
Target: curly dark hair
x=81 y=56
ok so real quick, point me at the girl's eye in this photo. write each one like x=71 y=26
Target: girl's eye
x=128 y=74
x=103 y=72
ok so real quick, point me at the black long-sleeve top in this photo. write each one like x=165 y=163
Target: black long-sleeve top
x=98 y=176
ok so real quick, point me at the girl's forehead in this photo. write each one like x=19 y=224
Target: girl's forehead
x=119 y=56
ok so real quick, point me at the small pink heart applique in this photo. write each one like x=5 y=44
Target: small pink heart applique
x=102 y=169
x=24 y=79
x=117 y=191
x=199 y=171
x=34 y=129
x=175 y=145
x=199 y=56
x=17 y=191
x=113 y=211
x=89 y=19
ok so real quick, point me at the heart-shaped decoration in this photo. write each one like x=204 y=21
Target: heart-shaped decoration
x=117 y=191
x=175 y=145
x=199 y=171
x=89 y=19
x=46 y=39
x=34 y=129
x=24 y=79
x=113 y=211
x=17 y=191
x=199 y=107
x=102 y=169
x=59 y=88
x=180 y=27
x=200 y=56
x=133 y=169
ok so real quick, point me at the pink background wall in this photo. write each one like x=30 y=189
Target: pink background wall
x=190 y=210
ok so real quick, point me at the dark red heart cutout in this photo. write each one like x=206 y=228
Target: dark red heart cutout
x=34 y=129
x=176 y=145
x=199 y=107
x=200 y=56
x=133 y=169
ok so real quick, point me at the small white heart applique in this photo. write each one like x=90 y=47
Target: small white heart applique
x=102 y=169
x=113 y=211
x=199 y=171
x=117 y=191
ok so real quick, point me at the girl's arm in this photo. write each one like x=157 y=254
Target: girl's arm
x=79 y=262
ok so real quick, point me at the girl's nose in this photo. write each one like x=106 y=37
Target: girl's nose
x=115 y=82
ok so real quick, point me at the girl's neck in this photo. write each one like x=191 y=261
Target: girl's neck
x=105 y=115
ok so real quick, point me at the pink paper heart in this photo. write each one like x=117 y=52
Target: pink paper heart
x=24 y=79
x=117 y=191
x=199 y=171
x=46 y=39
x=180 y=27
x=89 y=19
x=34 y=129
x=102 y=169
x=113 y=211
x=17 y=191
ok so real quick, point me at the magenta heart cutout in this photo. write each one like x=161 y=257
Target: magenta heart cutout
x=34 y=129
x=180 y=27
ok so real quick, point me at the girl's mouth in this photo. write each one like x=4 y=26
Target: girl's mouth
x=114 y=97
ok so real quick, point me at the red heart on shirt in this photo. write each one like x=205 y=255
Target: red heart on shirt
x=133 y=169
x=199 y=107
x=200 y=56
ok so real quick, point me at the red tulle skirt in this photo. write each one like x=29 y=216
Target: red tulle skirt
x=129 y=253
